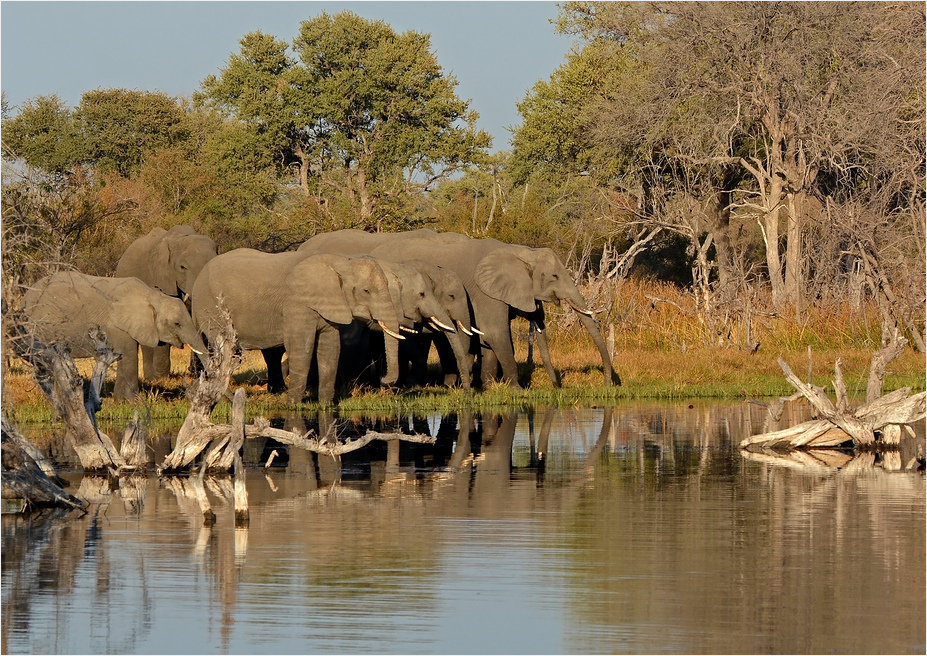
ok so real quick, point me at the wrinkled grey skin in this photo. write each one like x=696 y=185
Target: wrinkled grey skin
x=297 y=302
x=502 y=280
x=64 y=306
x=169 y=261
x=443 y=285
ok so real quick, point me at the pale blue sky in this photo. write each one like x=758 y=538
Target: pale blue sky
x=497 y=50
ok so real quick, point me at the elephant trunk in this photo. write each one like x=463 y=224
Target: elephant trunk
x=590 y=324
x=461 y=348
x=391 y=345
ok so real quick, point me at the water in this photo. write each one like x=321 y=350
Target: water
x=641 y=529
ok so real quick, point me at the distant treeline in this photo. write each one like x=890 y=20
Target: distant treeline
x=767 y=151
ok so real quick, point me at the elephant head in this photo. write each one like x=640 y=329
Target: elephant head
x=449 y=292
x=343 y=289
x=168 y=260
x=522 y=277
x=181 y=255
x=154 y=319
x=417 y=299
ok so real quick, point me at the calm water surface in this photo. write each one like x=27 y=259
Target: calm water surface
x=641 y=528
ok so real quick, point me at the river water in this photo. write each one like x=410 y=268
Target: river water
x=635 y=529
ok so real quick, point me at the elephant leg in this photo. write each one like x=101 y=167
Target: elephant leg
x=126 y=387
x=299 y=360
x=500 y=352
x=156 y=362
x=328 y=352
x=273 y=358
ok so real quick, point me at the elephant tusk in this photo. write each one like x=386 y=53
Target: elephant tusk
x=195 y=351
x=442 y=326
x=477 y=330
x=390 y=332
x=575 y=307
x=409 y=330
x=464 y=329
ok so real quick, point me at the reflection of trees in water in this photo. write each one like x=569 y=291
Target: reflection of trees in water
x=714 y=562
x=659 y=518
x=48 y=558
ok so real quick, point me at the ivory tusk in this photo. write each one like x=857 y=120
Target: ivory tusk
x=477 y=330
x=442 y=326
x=195 y=351
x=409 y=330
x=466 y=331
x=389 y=332
x=574 y=307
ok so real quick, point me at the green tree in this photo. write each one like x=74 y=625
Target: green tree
x=45 y=135
x=365 y=111
x=121 y=127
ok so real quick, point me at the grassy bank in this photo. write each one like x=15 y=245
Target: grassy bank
x=663 y=350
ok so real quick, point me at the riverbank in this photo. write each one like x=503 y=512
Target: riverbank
x=658 y=374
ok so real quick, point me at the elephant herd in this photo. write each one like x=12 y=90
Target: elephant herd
x=342 y=301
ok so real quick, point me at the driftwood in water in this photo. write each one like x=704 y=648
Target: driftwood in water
x=199 y=435
x=23 y=478
x=881 y=419
x=74 y=399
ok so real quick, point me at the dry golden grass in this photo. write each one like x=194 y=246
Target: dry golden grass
x=663 y=349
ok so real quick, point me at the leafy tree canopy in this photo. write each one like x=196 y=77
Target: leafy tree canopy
x=364 y=110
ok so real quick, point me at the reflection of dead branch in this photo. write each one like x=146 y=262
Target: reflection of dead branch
x=199 y=435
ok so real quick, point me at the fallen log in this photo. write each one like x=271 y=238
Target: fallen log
x=882 y=419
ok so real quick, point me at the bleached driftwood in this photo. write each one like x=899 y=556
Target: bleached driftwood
x=24 y=479
x=881 y=419
x=74 y=399
x=199 y=435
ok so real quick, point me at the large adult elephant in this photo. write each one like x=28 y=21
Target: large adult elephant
x=501 y=280
x=297 y=302
x=64 y=306
x=443 y=285
x=168 y=260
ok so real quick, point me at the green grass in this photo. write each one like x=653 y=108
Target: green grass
x=661 y=353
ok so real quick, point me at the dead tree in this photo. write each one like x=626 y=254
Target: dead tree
x=24 y=478
x=73 y=398
x=881 y=420
x=217 y=442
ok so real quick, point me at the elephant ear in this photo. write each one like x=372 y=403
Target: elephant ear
x=134 y=315
x=317 y=284
x=504 y=276
x=161 y=270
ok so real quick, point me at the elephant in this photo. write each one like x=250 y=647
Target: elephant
x=297 y=302
x=502 y=280
x=169 y=261
x=445 y=286
x=65 y=305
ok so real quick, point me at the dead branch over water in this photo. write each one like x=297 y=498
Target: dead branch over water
x=880 y=420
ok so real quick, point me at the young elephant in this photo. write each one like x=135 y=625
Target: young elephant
x=296 y=301
x=65 y=306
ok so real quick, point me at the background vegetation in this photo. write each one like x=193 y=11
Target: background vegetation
x=735 y=177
